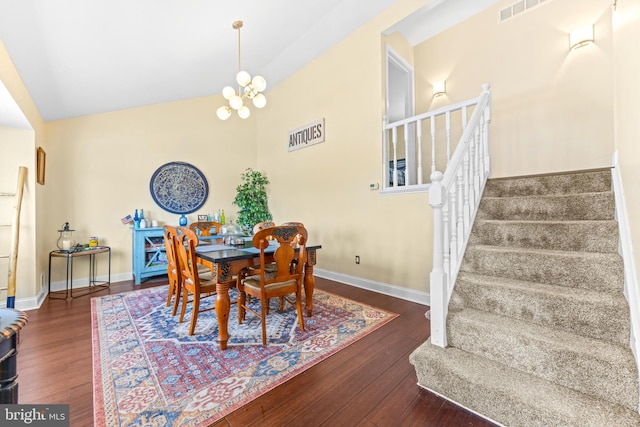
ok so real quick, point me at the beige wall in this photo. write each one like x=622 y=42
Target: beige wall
x=326 y=186
x=626 y=26
x=99 y=168
x=552 y=108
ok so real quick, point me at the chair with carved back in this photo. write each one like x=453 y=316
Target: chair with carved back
x=293 y=223
x=171 y=237
x=270 y=266
x=205 y=229
x=173 y=272
x=193 y=283
x=280 y=283
x=299 y=224
x=261 y=226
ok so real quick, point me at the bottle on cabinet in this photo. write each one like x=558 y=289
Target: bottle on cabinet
x=136 y=219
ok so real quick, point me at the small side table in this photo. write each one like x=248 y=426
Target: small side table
x=94 y=285
x=11 y=321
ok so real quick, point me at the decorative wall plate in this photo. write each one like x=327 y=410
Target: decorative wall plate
x=179 y=188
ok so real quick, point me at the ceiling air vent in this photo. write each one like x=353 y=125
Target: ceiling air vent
x=518 y=7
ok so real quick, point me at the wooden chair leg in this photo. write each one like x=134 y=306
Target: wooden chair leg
x=185 y=297
x=194 y=315
x=177 y=291
x=171 y=292
x=242 y=298
x=264 y=302
x=299 y=309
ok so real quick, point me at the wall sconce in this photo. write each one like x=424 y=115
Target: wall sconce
x=581 y=37
x=439 y=88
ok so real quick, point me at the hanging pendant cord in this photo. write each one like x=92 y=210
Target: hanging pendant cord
x=237 y=25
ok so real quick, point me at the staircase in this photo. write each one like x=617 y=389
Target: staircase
x=538 y=326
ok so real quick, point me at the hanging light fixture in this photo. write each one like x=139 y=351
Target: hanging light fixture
x=248 y=88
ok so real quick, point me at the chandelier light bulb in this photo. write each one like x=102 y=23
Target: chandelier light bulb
x=244 y=112
x=243 y=78
x=223 y=112
x=260 y=100
x=235 y=102
x=249 y=91
x=259 y=83
x=228 y=92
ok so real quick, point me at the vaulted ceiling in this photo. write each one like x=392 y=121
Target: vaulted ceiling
x=80 y=57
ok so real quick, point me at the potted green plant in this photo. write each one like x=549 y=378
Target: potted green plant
x=251 y=198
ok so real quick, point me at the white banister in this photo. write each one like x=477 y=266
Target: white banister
x=442 y=139
x=454 y=197
x=394 y=139
x=419 y=137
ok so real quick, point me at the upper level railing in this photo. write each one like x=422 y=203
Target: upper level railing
x=454 y=197
x=418 y=146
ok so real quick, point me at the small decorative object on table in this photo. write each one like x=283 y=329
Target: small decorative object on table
x=66 y=241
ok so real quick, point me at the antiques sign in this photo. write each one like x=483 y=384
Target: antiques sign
x=307 y=135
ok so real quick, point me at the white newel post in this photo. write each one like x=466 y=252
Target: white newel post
x=438 y=278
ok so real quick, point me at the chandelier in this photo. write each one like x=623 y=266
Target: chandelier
x=248 y=88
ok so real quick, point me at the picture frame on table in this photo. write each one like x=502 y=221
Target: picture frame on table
x=41 y=161
x=203 y=218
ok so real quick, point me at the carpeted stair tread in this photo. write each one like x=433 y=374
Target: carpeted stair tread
x=588 y=270
x=580 y=363
x=570 y=207
x=570 y=309
x=571 y=183
x=511 y=397
x=582 y=236
x=538 y=326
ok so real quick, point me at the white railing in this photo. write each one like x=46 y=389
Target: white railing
x=416 y=147
x=454 y=197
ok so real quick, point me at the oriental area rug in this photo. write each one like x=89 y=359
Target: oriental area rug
x=147 y=370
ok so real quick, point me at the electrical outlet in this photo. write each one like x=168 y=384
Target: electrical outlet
x=357 y=259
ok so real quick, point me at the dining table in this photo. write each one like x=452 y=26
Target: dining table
x=226 y=260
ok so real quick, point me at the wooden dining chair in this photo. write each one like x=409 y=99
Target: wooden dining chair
x=262 y=225
x=280 y=283
x=205 y=228
x=193 y=282
x=173 y=272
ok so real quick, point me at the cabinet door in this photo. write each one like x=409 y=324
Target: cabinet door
x=154 y=252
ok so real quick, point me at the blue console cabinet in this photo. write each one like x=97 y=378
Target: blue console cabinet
x=148 y=253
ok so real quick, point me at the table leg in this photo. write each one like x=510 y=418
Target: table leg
x=69 y=276
x=223 y=304
x=49 y=273
x=309 y=282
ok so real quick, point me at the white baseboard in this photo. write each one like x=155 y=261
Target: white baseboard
x=33 y=303
x=418 y=297
x=626 y=251
x=371 y=285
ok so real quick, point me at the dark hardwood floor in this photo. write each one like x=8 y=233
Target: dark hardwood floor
x=370 y=383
